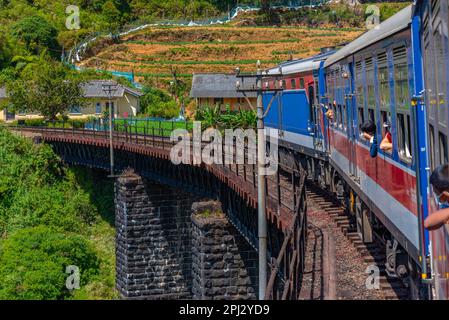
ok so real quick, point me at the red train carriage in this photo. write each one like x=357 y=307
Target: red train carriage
x=373 y=78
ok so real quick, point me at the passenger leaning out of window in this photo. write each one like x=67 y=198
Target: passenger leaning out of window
x=368 y=129
x=440 y=189
x=387 y=142
x=330 y=112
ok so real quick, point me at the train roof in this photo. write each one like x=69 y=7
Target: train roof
x=298 y=66
x=392 y=25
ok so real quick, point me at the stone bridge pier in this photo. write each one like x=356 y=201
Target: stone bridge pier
x=172 y=244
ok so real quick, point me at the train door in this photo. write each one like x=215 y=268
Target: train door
x=352 y=119
x=314 y=116
x=436 y=63
x=318 y=118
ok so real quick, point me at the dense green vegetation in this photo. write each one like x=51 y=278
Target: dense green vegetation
x=217 y=118
x=52 y=217
x=339 y=15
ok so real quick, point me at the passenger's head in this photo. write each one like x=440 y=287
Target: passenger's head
x=368 y=128
x=440 y=183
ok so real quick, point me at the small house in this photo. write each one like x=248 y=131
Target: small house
x=212 y=89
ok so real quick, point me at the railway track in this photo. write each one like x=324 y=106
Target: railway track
x=324 y=208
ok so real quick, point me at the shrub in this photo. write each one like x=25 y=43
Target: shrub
x=33 y=263
x=157 y=103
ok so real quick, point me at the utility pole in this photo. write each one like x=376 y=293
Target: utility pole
x=110 y=88
x=261 y=157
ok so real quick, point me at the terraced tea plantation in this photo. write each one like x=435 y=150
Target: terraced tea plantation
x=157 y=52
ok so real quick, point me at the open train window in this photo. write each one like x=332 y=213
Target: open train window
x=371 y=115
x=335 y=120
x=443 y=148
x=293 y=83
x=312 y=104
x=360 y=116
x=432 y=147
x=340 y=117
x=385 y=117
x=404 y=137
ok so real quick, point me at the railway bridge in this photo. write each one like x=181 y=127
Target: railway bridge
x=171 y=240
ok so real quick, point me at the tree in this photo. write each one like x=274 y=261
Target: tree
x=265 y=4
x=157 y=103
x=47 y=88
x=37 y=34
x=112 y=16
x=5 y=52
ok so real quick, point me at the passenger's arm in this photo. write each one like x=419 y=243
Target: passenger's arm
x=437 y=220
x=386 y=145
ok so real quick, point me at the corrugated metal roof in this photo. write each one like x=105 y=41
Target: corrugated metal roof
x=394 y=24
x=217 y=85
x=94 y=89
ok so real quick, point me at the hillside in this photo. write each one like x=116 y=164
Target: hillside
x=157 y=51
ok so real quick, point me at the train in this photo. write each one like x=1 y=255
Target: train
x=395 y=75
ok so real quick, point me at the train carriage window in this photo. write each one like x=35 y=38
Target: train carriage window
x=404 y=138
x=302 y=83
x=293 y=83
x=340 y=117
x=371 y=115
x=384 y=87
x=312 y=104
x=443 y=148
x=402 y=91
x=360 y=117
x=345 y=120
x=370 y=83
x=440 y=76
x=360 y=98
x=402 y=101
x=432 y=147
x=385 y=117
x=429 y=74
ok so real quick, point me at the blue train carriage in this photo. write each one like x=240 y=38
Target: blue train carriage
x=430 y=21
x=373 y=78
x=296 y=112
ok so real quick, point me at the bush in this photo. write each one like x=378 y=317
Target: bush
x=36 y=189
x=157 y=103
x=33 y=263
x=214 y=117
